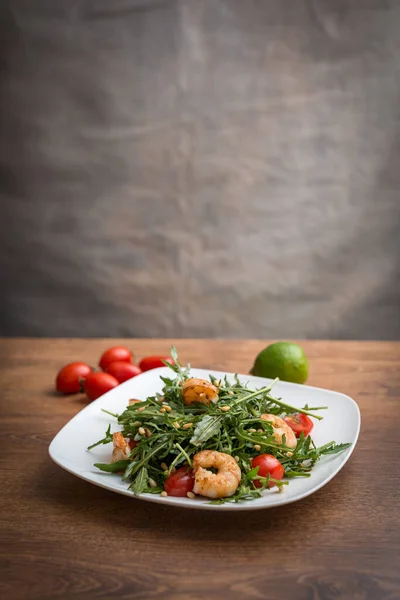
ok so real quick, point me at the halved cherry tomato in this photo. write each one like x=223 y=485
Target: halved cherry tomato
x=153 y=362
x=113 y=354
x=268 y=465
x=299 y=422
x=132 y=444
x=123 y=370
x=97 y=384
x=70 y=377
x=179 y=483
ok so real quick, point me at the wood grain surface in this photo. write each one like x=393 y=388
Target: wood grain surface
x=64 y=538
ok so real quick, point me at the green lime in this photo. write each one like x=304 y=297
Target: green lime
x=285 y=360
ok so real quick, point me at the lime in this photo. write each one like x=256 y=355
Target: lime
x=285 y=360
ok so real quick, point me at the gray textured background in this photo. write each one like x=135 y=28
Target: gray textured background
x=200 y=168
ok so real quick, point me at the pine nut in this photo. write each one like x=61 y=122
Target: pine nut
x=236 y=458
x=164 y=494
x=187 y=425
x=225 y=408
x=141 y=431
x=141 y=408
x=252 y=430
x=164 y=466
x=147 y=432
x=260 y=430
x=167 y=408
x=191 y=495
x=257 y=448
x=176 y=425
x=152 y=483
x=162 y=410
x=230 y=393
x=133 y=401
x=289 y=454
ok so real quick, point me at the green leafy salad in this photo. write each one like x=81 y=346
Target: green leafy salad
x=214 y=439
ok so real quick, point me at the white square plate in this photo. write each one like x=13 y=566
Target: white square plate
x=341 y=423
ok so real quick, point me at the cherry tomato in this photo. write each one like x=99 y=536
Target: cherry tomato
x=98 y=384
x=153 y=362
x=111 y=355
x=132 y=444
x=69 y=378
x=268 y=465
x=179 y=483
x=299 y=422
x=123 y=370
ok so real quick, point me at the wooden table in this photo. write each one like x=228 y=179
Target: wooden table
x=64 y=538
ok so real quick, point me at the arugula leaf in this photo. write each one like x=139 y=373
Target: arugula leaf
x=206 y=428
x=174 y=354
x=332 y=448
x=108 y=438
x=140 y=482
x=116 y=467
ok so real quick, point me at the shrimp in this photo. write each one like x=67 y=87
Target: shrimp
x=121 y=448
x=281 y=428
x=222 y=484
x=199 y=390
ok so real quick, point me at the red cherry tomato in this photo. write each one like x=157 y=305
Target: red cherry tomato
x=98 y=384
x=299 y=422
x=179 y=483
x=132 y=444
x=268 y=465
x=123 y=370
x=111 y=355
x=153 y=362
x=69 y=378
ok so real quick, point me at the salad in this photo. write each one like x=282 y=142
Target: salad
x=215 y=439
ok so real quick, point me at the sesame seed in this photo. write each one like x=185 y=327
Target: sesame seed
x=191 y=495
x=257 y=448
x=147 y=432
x=164 y=494
x=164 y=466
x=152 y=483
x=225 y=408
x=187 y=425
x=141 y=431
